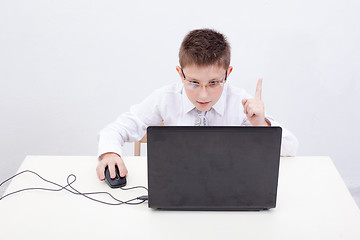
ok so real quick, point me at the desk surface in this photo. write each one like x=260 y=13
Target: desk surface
x=313 y=203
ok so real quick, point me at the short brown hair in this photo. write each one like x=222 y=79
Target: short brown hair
x=204 y=47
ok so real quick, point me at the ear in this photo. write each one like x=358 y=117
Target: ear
x=229 y=71
x=178 y=69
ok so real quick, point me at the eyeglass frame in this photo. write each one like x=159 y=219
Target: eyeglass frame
x=205 y=85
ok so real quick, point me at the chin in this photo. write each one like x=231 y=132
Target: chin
x=203 y=108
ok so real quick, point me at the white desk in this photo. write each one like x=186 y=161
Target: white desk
x=313 y=203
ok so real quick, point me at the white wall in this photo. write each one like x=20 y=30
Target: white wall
x=68 y=68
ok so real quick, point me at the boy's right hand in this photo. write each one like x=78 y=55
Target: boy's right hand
x=110 y=159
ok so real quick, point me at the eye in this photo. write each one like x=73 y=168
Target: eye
x=194 y=83
x=213 y=83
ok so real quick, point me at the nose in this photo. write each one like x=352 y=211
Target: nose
x=203 y=93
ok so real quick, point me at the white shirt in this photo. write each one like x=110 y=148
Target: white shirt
x=171 y=106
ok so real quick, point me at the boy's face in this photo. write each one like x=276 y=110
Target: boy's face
x=205 y=96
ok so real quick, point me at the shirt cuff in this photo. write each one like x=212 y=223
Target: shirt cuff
x=268 y=122
x=272 y=122
x=110 y=148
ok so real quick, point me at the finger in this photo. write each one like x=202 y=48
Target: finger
x=112 y=170
x=244 y=101
x=100 y=171
x=248 y=107
x=258 y=89
x=122 y=169
x=251 y=113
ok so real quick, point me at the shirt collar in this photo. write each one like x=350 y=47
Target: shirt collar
x=187 y=105
x=219 y=107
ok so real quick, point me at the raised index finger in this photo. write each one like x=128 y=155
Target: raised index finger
x=258 y=89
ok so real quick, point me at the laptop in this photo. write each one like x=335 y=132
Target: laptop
x=213 y=167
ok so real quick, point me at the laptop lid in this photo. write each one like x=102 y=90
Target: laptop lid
x=213 y=168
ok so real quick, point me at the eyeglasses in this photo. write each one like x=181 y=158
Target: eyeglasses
x=192 y=85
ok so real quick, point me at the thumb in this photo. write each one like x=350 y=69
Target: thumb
x=244 y=101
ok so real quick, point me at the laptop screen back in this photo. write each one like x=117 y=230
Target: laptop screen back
x=213 y=168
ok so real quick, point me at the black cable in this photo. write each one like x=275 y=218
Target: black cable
x=27 y=189
x=130 y=188
x=96 y=200
x=75 y=191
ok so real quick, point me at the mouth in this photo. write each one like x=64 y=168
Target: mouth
x=203 y=103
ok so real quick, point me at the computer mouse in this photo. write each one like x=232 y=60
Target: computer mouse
x=115 y=182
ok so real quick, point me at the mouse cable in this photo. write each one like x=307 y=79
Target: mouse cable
x=139 y=200
x=75 y=191
x=128 y=202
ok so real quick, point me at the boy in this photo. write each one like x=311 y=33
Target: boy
x=203 y=97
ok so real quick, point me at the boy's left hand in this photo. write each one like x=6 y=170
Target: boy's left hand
x=254 y=108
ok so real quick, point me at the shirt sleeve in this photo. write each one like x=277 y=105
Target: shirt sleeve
x=289 y=143
x=130 y=126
